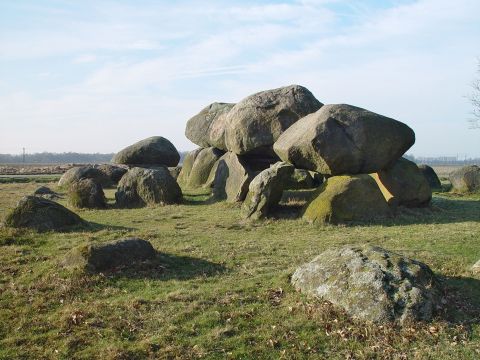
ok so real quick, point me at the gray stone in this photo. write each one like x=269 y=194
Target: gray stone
x=256 y=122
x=466 y=179
x=46 y=193
x=344 y=199
x=371 y=283
x=404 y=184
x=344 y=139
x=155 y=150
x=203 y=164
x=86 y=193
x=141 y=186
x=187 y=166
x=265 y=191
x=231 y=178
x=207 y=128
x=109 y=256
x=113 y=172
x=41 y=214
x=431 y=176
x=84 y=172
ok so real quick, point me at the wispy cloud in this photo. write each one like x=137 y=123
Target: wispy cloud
x=148 y=66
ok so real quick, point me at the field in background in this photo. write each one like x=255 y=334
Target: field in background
x=221 y=288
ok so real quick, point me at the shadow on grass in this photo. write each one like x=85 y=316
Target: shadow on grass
x=167 y=266
x=462 y=300
x=90 y=226
x=445 y=209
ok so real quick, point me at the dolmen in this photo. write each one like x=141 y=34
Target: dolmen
x=354 y=156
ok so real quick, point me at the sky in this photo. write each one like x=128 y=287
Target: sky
x=96 y=76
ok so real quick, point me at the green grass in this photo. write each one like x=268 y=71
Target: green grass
x=220 y=288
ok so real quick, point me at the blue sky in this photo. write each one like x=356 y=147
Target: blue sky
x=95 y=76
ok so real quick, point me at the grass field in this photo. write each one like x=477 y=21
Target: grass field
x=220 y=288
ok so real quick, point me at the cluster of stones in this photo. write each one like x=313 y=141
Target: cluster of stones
x=285 y=138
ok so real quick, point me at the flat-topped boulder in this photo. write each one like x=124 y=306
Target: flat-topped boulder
x=371 y=283
x=347 y=198
x=155 y=150
x=207 y=128
x=466 y=179
x=34 y=212
x=84 y=172
x=141 y=187
x=265 y=191
x=109 y=256
x=86 y=193
x=404 y=184
x=256 y=122
x=344 y=139
x=431 y=176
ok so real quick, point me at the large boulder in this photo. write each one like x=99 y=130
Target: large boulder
x=344 y=139
x=431 y=176
x=199 y=173
x=231 y=178
x=466 y=179
x=113 y=172
x=86 y=194
x=207 y=128
x=371 y=283
x=101 y=257
x=187 y=166
x=41 y=214
x=84 y=172
x=265 y=191
x=404 y=184
x=343 y=199
x=256 y=122
x=141 y=186
x=155 y=150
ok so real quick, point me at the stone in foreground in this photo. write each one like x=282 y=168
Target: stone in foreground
x=102 y=257
x=83 y=172
x=207 y=128
x=155 y=150
x=344 y=139
x=431 y=176
x=371 y=283
x=231 y=178
x=87 y=194
x=265 y=190
x=141 y=186
x=404 y=184
x=256 y=122
x=343 y=199
x=41 y=214
x=466 y=179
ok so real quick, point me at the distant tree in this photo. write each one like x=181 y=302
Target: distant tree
x=475 y=100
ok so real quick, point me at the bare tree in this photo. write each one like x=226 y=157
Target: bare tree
x=475 y=100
